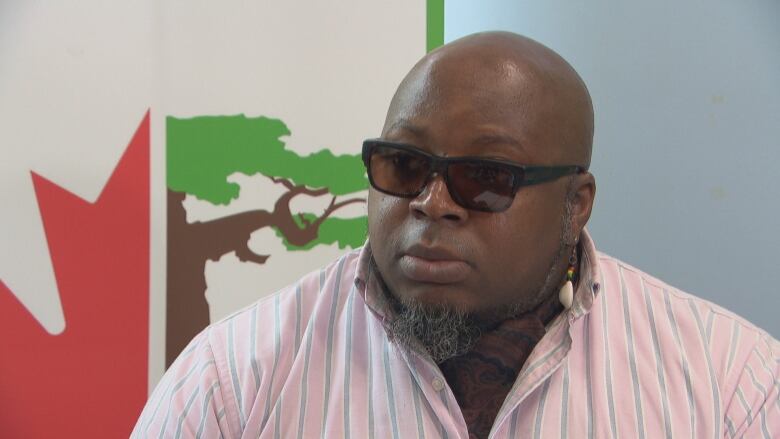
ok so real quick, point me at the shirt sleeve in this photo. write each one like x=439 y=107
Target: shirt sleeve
x=754 y=409
x=188 y=400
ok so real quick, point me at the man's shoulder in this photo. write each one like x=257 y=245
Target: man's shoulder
x=729 y=364
x=656 y=287
x=686 y=333
x=237 y=358
x=717 y=328
x=287 y=309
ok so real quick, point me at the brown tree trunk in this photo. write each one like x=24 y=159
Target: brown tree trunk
x=187 y=311
x=190 y=245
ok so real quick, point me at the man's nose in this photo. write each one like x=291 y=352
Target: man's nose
x=436 y=203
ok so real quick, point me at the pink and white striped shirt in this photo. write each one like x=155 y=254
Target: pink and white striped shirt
x=632 y=358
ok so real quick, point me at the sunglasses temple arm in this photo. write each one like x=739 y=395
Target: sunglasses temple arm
x=545 y=174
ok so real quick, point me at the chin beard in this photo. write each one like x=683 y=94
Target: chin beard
x=439 y=330
x=445 y=332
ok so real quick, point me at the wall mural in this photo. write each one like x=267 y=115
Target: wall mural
x=213 y=159
x=165 y=165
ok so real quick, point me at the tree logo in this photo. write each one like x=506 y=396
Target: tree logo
x=211 y=162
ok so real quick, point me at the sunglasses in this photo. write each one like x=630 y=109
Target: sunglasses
x=486 y=185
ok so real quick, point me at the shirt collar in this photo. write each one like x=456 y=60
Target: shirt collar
x=588 y=286
x=368 y=284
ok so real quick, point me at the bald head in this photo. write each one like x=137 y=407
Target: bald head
x=513 y=79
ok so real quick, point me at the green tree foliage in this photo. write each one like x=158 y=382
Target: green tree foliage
x=203 y=151
x=346 y=232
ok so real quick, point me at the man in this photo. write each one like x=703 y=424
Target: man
x=479 y=306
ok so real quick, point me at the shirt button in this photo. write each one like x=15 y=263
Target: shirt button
x=437 y=384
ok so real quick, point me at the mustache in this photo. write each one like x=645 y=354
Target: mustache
x=433 y=237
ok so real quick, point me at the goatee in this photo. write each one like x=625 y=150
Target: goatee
x=444 y=332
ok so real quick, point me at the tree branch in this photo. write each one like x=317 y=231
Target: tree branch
x=298 y=189
x=334 y=206
x=244 y=254
x=341 y=204
x=283 y=181
x=304 y=220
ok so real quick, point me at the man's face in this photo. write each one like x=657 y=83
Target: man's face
x=433 y=252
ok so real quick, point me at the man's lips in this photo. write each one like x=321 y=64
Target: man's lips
x=433 y=265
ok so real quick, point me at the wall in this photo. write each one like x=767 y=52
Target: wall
x=687 y=133
x=163 y=165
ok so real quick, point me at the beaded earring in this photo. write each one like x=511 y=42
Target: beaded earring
x=566 y=294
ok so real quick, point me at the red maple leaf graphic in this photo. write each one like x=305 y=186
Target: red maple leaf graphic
x=90 y=380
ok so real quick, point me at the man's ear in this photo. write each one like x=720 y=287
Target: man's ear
x=583 y=194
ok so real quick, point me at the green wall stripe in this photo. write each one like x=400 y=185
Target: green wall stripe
x=434 y=24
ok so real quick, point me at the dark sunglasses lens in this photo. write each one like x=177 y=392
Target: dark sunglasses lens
x=482 y=186
x=397 y=171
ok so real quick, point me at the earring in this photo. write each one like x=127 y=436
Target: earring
x=566 y=294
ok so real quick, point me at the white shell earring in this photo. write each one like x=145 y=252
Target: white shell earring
x=566 y=294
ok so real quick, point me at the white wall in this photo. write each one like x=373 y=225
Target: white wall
x=687 y=147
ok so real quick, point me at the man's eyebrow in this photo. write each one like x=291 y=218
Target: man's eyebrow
x=407 y=125
x=420 y=132
x=490 y=139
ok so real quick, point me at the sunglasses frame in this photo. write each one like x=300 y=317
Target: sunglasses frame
x=522 y=175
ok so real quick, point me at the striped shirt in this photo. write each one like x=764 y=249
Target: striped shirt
x=632 y=358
